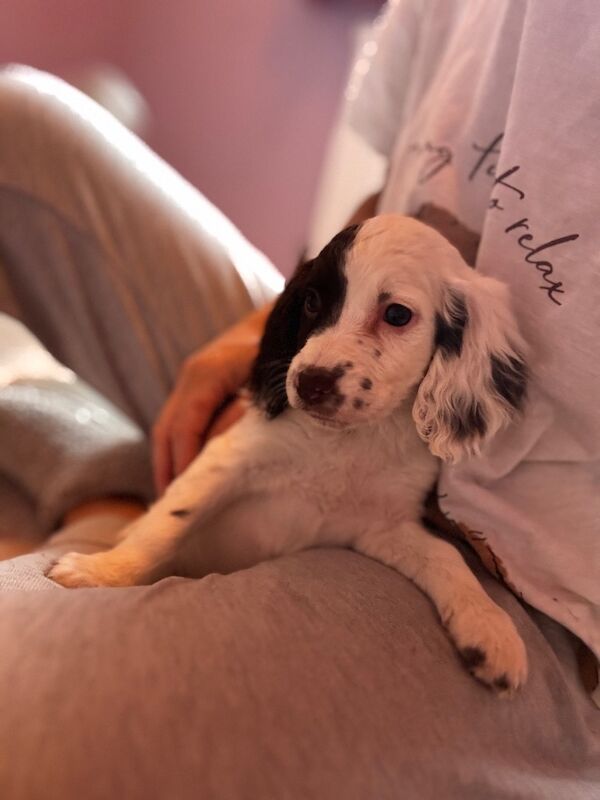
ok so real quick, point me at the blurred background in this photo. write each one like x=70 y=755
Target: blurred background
x=243 y=97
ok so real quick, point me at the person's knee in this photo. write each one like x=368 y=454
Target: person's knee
x=29 y=96
x=46 y=130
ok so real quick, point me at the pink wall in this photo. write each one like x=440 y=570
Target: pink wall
x=242 y=93
x=60 y=34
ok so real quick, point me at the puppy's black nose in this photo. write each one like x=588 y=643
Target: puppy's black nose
x=316 y=384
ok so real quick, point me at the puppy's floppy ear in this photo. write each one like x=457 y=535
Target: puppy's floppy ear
x=477 y=377
x=280 y=342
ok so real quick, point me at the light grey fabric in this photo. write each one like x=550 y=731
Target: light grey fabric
x=65 y=444
x=122 y=269
x=61 y=442
x=108 y=256
x=320 y=676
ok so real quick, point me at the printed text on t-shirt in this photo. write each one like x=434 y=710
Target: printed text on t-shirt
x=505 y=187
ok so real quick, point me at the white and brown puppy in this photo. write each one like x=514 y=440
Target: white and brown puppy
x=383 y=353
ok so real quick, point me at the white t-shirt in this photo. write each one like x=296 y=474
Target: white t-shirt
x=489 y=114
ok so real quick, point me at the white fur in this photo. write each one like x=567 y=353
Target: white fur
x=358 y=478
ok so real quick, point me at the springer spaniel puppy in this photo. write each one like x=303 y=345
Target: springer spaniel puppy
x=384 y=354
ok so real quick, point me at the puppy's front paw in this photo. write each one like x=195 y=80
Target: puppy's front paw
x=76 y=570
x=490 y=646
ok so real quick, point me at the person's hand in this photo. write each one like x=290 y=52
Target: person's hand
x=203 y=402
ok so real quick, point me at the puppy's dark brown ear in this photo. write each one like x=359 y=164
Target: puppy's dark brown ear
x=280 y=343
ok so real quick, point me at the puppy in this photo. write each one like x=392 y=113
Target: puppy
x=383 y=355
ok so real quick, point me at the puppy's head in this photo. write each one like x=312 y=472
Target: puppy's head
x=389 y=313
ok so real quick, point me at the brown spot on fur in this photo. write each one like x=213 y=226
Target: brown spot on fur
x=358 y=403
x=472 y=657
x=366 y=383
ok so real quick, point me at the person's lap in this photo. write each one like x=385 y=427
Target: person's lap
x=319 y=675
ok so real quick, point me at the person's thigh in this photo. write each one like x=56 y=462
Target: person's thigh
x=109 y=256
x=323 y=675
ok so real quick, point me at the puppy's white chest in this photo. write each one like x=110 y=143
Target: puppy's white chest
x=341 y=483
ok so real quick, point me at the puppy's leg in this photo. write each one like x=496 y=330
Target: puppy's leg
x=217 y=477
x=483 y=633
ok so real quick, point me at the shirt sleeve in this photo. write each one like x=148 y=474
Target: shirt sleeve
x=377 y=88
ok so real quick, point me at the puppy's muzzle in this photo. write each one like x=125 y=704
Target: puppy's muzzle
x=317 y=386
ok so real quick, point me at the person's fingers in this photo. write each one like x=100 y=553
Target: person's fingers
x=230 y=414
x=178 y=432
x=205 y=381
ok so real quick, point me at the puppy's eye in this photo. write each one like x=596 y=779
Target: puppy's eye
x=312 y=303
x=397 y=315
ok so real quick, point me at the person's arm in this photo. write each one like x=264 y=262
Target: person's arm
x=198 y=407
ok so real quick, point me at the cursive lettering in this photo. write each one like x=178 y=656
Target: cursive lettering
x=551 y=286
x=501 y=180
x=492 y=149
x=438 y=157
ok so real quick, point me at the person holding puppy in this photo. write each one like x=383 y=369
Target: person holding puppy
x=478 y=141
x=486 y=116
